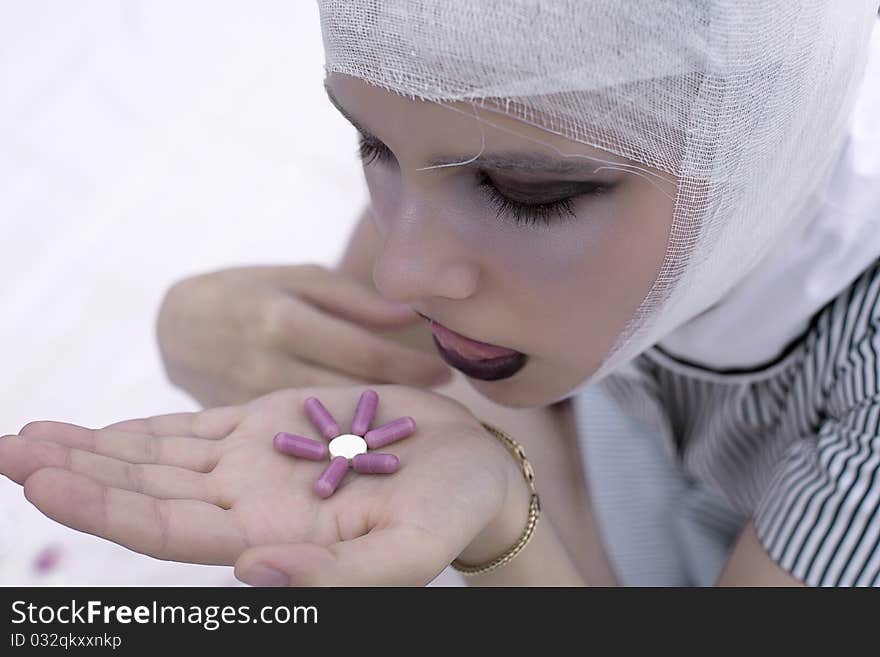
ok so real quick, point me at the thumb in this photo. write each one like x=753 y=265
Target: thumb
x=399 y=556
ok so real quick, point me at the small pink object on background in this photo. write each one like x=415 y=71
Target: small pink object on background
x=346 y=449
x=47 y=559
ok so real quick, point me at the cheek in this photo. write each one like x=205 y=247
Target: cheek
x=565 y=254
x=582 y=280
x=606 y=258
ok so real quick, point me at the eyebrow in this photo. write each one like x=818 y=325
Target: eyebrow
x=503 y=161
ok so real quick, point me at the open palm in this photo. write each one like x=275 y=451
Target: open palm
x=208 y=487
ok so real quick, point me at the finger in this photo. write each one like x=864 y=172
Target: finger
x=21 y=457
x=211 y=424
x=176 y=530
x=340 y=345
x=200 y=454
x=345 y=296
x=274 y=372
x=396 y=556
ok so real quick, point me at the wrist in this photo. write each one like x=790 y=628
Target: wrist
x=506 y=527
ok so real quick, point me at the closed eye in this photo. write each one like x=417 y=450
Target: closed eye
x=521 y=213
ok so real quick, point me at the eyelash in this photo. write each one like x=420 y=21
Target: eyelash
x=522 y=214
x=368 y=151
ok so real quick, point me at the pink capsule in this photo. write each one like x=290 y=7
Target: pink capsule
x=321 y=418
x=365 y=412
x=390 y=432
x=375 y=463
x=306 y=448
x=332 y=475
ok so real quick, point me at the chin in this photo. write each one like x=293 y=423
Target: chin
x=516 y=392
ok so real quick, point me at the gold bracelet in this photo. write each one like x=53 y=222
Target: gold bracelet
x=534 y=509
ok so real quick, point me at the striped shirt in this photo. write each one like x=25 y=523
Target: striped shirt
x=793 y=444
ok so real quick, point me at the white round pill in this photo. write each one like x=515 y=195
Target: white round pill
x=348 y=445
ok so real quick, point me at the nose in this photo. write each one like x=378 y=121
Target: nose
x=420 y=257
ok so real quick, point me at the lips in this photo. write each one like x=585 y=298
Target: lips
x=479 y=360
x=470 y=349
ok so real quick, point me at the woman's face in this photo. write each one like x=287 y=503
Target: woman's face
x=459 y=245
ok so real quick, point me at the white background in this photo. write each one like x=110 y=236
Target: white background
x=141 y=143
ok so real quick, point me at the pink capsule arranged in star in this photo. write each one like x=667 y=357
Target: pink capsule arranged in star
x=306 y=448
x=332 y=475
x=390 y=432
x=375 y=463
x=347 y=449
x=365 y=412
x=321 y=418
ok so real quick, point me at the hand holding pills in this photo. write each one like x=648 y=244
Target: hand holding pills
x=254 y=484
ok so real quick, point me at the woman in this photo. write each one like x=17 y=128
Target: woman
x=610 y=223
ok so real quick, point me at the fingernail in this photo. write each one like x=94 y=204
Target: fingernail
x=261 y=575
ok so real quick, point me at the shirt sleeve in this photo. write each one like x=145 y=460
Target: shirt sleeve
x=819 y=518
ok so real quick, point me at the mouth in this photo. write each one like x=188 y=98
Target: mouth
x=475 y=359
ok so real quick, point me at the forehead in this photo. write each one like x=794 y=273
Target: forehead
x=455 y=126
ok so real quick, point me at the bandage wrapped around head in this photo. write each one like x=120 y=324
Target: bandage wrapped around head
x=744 y=102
